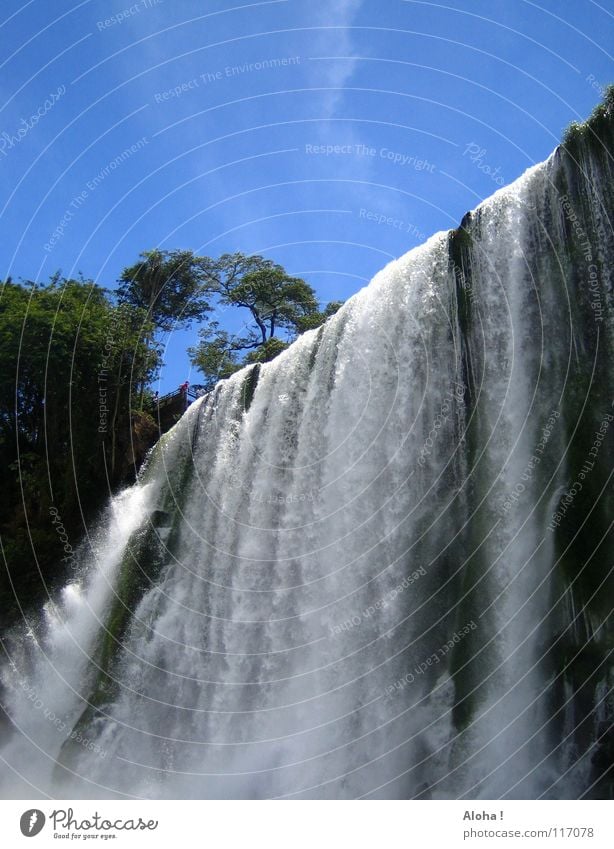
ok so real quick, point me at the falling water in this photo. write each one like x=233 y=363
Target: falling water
x=342 y=573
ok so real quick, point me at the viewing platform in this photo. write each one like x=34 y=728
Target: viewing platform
x=168 y=409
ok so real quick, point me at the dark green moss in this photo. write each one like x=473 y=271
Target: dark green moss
x=596 y=131
x=459 y=248
x=462 y=237
x=147 y=553
x=140 y=569
x=467 y=660
x=249 y=386
x=602 y=763
x=467 y=671
x=583 y=533
x=313 y=354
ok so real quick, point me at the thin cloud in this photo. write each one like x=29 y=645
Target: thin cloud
x=339 y=15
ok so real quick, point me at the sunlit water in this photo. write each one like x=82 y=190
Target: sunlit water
x=355 y=590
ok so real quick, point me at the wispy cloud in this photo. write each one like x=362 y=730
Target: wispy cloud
x=337 y=41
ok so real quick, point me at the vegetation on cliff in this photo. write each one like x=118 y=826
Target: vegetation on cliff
x=77 y=414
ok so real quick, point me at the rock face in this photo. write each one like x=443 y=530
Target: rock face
x=136 y=444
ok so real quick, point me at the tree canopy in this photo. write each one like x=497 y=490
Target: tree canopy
x=168 y=285
x=69 y=360
x=275 y=302
x=76 y=365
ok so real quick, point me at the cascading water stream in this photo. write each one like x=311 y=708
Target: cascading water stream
x=341 y=574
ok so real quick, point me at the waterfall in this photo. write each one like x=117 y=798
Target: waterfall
x=376 y=566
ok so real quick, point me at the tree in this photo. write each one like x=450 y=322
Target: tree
x=131 y=362
x=274 y=298
x=316 y=319
x=216 y=354
x=275 y=302
x=168 y=285
x=69 y=359
x=267 y=351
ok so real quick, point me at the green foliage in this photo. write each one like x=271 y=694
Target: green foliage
x=169 y=286
x=75 y=367
x=274 y=301
x=267 y=351
x=274 y=298
x=598 y=123
x=317 y=319
x=69 y=359
x=215 y=355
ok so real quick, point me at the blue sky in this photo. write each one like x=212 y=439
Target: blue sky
x=330 y=136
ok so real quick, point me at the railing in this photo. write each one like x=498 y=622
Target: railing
x=168 y=409
x=192 y=392
x=169 y=398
